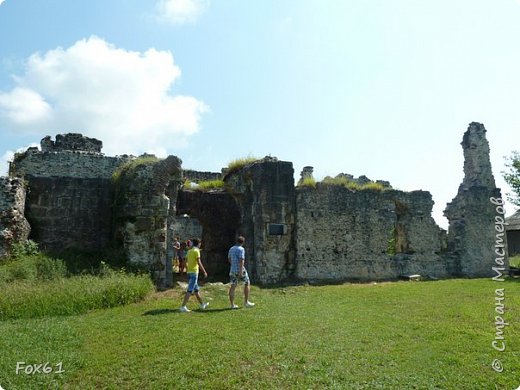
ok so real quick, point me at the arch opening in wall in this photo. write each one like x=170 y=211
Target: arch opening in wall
x=218 y=218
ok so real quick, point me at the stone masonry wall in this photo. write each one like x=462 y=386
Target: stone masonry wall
x=65 y=163
x=13 y=225
x=365 y=235
x=471 y=215
x=141 y=213
x=68 y=212
x=69 y=191
x=264 y=192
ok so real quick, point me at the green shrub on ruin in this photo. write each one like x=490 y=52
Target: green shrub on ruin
x=132 y=165
x=352 y=185
x=208 y=185
x=307 y=182
x=239 y=163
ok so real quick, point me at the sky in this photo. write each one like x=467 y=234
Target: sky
x=379 y=88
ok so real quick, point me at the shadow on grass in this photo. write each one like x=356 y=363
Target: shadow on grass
x=176 y=311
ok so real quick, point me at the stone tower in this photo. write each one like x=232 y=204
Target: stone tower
x=471 y=215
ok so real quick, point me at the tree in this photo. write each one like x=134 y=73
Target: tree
x=512 y=177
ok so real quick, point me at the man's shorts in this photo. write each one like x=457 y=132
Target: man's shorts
x=234 y=278
x=193 y=285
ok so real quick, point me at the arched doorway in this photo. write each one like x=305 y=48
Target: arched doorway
x=218 y=216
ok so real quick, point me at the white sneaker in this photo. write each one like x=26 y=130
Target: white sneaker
x=249 y=304
x=233 y=306
x=184 y=309
x=203 y=306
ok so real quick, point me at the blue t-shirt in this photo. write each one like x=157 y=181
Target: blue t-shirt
x=236 y=253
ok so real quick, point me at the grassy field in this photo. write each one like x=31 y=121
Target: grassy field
x=402 y=335
x=515 y=261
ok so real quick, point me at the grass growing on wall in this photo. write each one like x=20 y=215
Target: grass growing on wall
x=131 y=165
x=352 y=185
x=308 y=182
x=205 y=185
x=514 y=261
x=401 y=335
x=239 y=163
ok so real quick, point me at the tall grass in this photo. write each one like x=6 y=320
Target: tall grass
x=514 y=261
x=205 y=185
x=307 y=182
x=36 y=285
x=32 y=268
x=352 y=185
x=66 y=296
x=239 y=163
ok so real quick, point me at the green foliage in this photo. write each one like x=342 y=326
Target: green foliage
x=132 y=165
x=239 y=163
x=399 y=335
x=76 y=295
x=204 y=185
x=308 y=182
x=514 y=261
x=352 y=185
x=512 y=177
x=391 y=244
x=32 y=268
x=24 y=248
x=35 y=285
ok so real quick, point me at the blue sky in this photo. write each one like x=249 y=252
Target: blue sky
x=379 y=88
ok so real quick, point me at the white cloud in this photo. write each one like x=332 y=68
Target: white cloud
x=1 y=1
x=180 y=11
x=4 y=161
x=120 y=97
x=7 y=157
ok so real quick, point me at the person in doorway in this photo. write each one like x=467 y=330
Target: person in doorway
x=238 y=272
x=176 y=255
x=193 y=265
x=182 y=258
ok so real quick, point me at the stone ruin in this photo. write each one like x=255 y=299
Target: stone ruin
x=69 y=195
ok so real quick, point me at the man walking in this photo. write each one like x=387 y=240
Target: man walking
x=238 y=272
x=194 y=264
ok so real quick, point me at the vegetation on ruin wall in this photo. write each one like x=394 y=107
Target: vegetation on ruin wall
x=132 y=165
x=402 y=335
x=239 y=163
x=34 y=284
x=352 y=185
x=514 y=261
x=307 y=182
x=343 y=182
x=205 y=185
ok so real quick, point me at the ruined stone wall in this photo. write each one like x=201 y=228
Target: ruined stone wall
x=186 y=227
x=366 y=235
x=69 y=192
x=141 y=211
x=264 y=192
x=197 y=176
x=471 y=215
x=69 y=212
x=13 y=225
x=65 y=163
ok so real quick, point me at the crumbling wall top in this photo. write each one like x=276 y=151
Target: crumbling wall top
x=477 y=166
x=71 y=141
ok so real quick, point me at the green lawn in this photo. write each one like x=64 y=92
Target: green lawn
x=402 y=335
